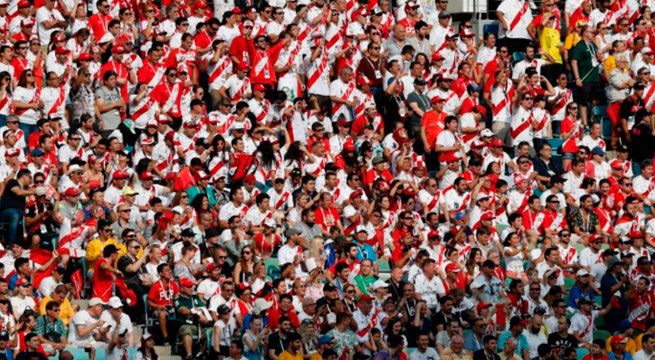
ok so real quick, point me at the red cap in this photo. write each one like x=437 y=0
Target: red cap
x=61 y=51
x=437 y=57
x=250 y=179
x=170 y=135
x=343 y=122
x=436 y=99
x=60 y=37
x=433 y=234
x=84 y=57
x=22 y=281
x=24 y=3
x=452 y=268
x=148 y=141
x=201 y=5
x=482 y=305
x=349 y=146
x=481 y=109
x=29 y=22
x=120 y=174
x=186 y=282
x=259 y=87
x=617 y=339
x=363 y=80
x=409 y=192
x=366 y=297
x=487 y=216
x=496 y=142
x=236 y=11
x=118 y=50
x=356 y=193
x=616 y=164
x=201 y=175
x=242 y=66
x=72 y=191
x=210 y=267
x=146 y=175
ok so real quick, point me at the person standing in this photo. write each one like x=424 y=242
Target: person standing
x=585 y=64
x=13 y=201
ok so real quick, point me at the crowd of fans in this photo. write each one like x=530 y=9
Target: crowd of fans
x=323 y=180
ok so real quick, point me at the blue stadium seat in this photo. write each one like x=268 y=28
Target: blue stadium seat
x=555 y=144
x=518 y=56
x=78 y=354
x=490 y=28
x=131 y=352
x=101 y=354
x=581 y=353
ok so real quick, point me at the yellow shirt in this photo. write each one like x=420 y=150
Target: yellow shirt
x=609 y=64
x=94 y=250
x=549 y=39
x=571 y=40
x=65 y=310
x=288 y=356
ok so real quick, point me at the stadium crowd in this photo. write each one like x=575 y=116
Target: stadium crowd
x=326 y=180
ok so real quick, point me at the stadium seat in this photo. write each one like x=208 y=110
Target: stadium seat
x=383 y=266
x=518 y=56
x=79 y=354
x=272 y=267
x=101 y=354
x=555 y=144
x=581 y=352
x=131 y=352
x=490 y=28
x=602 y=334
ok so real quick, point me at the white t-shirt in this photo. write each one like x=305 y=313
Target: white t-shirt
x=81 y=318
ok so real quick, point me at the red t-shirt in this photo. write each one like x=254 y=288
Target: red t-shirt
x=163 y=295
x=103 y=281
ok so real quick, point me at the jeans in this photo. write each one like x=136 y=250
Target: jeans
x=13 y=217
x=28 y=129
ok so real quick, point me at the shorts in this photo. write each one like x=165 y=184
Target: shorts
x=187 y=329
x=588 y=92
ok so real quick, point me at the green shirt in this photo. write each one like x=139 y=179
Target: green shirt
x=186 y=302
x=363 y=282
x=585 y=55
x=50 y=330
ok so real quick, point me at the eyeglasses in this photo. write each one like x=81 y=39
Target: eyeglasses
x=319 y=130
x=12 y=122
x=629 y=184
x=246 y=253
x=554 y=202
x=125 y=210
x=184 y=197
x=502 y=51
x=565 y=235
x=524 y=162
x=268 y=11
x=375 y=48
x=150 y=10
x=248 y=27
x=573 y=108
x=106 y=6
x=173 y=75
x=29 y=75
x=56 y=310
x=527 y=99
x=468 y=27
x=136 y=247
x=39 y=181
x=350 y=292
x=108 y=230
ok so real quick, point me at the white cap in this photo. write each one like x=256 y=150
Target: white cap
x=379 y=284
x=96 y=301
x=238 y=125
x=360 y=228
x=261 y=305
x=115 y=302
x=73 y=168
x=487 y=133
x=270 y=222
x=582 y=272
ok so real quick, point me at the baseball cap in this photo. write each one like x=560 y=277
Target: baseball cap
x=115 y=302
x=96 y=301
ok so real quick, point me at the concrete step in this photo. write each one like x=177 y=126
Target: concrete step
x=83 y=303
x=170 y=357
x=163 y=350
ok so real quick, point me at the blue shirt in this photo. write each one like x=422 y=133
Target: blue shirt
x=521 y=342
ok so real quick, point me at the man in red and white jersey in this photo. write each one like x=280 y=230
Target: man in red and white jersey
x=629 y=222
x=457 y=198
x=497 y=155
x=168 y=94
x=441 y=31
x=523 y=122
x=500 y=93
x=318 y=69
x=410 y=19
x=451 y=102
x=342 y=95
x=515 y=16
x=235 y=207
x=259 y=106
x=562 y=97
x=644 y=184
x=533 y=217
x=99 y=22
x=262 y=55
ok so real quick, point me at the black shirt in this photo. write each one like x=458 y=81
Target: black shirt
x=481 y=355
x=277 y=343
x=9 y=198
x=560 y=344
x=642 y=142
x=31 y=355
